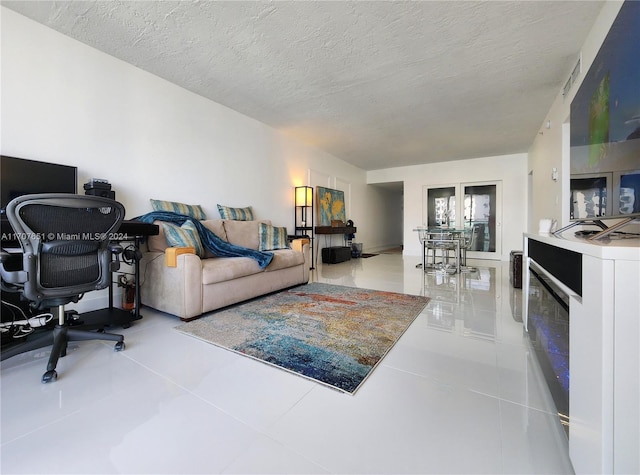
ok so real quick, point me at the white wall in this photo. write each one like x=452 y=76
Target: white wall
x=65 y=102
x=509 y=169
x=549 y=150
x=386 y=206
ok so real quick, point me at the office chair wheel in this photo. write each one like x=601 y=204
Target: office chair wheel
x=49 y=376
x=119 y=346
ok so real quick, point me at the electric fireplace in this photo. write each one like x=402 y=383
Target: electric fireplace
x=548 y=328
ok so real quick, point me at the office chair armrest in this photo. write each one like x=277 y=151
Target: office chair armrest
x=11 y=276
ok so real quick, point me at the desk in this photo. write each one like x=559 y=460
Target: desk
x=336 y=229
x=136 y=232
x=133 y=231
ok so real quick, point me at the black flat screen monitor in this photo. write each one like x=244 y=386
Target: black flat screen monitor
x=19 y=176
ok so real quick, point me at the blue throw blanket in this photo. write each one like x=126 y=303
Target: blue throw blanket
x=210 y=240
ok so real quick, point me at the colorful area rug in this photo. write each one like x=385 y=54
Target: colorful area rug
x=331 y=334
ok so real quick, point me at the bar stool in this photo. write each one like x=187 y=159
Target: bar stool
x=422 y=238
x=445 y=242
x=466 y=239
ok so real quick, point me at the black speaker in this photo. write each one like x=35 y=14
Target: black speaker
x=97 y=187
x=515 y=269
x=103 y=193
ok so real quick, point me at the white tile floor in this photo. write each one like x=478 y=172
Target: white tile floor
x=459 y=393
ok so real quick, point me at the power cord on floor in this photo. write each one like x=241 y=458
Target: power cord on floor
x=24 y=326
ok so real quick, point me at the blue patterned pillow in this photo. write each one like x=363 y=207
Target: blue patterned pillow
x=183 y=236
x=272 y=238
x=195 y=211
x=236 y=214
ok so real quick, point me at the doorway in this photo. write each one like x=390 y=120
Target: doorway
x=474 y=206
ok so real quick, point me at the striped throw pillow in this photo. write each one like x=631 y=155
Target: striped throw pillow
x=236 y=214
x=272 y=238
x=195 y=211
x=183 y=236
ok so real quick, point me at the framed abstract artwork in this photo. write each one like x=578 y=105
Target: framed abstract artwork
x=330 y=206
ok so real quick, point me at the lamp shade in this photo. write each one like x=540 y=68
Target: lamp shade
x=304 y=195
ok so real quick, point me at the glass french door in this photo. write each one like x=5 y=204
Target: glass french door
x=476 y=206
x=441 y=205
x=483 y=213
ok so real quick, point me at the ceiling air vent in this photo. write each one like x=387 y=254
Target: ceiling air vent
x=572 y=78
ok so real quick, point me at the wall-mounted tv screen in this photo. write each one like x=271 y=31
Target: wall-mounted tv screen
x=605 y=126
x=19 y=176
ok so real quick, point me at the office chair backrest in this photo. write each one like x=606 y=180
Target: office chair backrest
x=64 y=240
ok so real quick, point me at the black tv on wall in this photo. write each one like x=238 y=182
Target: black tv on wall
x=19 y=176
x=605 y=126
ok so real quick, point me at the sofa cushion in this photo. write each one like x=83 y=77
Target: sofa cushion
x=157 y=243
x=183 y=236
x=236 y=214
x=194 y=211
x=272 y=237
x=284 y=258
x=244 y=233
x=222 y=269
x=217 y=227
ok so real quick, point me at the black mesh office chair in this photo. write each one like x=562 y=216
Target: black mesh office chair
x=66 y=251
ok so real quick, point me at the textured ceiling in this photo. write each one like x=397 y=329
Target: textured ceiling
x=378 y=84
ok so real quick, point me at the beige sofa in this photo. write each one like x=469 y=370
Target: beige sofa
x=176 y=281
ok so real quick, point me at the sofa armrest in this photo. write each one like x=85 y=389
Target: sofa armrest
x=171 y=254
x=176 y=290
x=298 y=244
x=303 y=245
